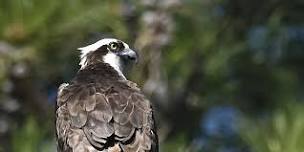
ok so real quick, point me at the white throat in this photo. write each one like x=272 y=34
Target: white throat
x=114 y=61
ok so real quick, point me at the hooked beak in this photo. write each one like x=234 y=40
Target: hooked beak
x=129 y=55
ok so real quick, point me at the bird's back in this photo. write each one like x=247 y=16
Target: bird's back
x=101 y=112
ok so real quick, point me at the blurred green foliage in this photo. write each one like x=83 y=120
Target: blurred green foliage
x=281 y=132
x=175 y=145
x=247 y=54
x=28 y=137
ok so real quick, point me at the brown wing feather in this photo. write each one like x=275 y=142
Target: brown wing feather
x=98 y=118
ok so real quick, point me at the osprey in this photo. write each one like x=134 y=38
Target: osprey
x=100 y=110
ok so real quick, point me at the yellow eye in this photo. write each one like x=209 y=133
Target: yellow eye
x=113 y=46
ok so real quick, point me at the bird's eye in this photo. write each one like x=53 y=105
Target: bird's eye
x=113 y=46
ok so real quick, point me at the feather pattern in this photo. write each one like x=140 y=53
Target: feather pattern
x=98 y=111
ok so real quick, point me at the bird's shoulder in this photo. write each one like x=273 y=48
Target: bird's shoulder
x=82 y=90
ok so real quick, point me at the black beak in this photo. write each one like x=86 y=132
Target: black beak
x=129 y=55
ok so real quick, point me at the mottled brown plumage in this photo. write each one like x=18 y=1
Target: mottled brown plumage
x=101 y=111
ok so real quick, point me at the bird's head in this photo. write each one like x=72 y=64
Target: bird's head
x=109 y=50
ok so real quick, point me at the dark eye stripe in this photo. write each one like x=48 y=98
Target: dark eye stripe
x=119 y=45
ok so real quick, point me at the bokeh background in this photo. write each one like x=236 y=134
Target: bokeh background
x=224 y=75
